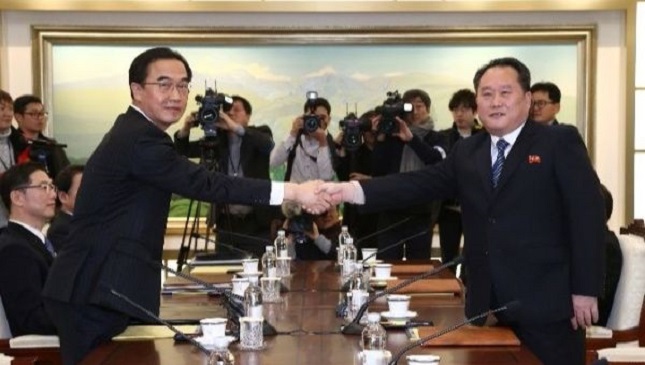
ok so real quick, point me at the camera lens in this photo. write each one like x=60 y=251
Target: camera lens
x=310 y=123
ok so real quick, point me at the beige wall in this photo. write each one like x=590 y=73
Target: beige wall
x=610 y=102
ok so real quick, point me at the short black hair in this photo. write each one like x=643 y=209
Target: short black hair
x=463 y=97
x=5 y=97
x=20 y=104
x=139 y=67
x=245 y=103
x=315 y=103
x=63 y=180
x=550 y=88
x=16 y=176
x=523 y=73
x=412 y=94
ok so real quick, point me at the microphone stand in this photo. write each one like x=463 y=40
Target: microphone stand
x=355 y=328
x=397 y=357
x=179 y=333
x=232 y=302
x=345 y=286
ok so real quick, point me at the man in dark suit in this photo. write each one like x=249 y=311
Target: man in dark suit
x=533 y=215
x=31 y=116
x=25 y=255
x=117 y=234
x=240 y=150
x=67 y=181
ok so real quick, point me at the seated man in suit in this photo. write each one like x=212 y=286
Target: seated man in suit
x=68 y=181
x=25 y=254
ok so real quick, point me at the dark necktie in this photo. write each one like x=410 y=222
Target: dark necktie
x=499 y=162
x=50 y=247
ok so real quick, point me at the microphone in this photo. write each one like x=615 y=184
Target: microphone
x=391 y=226
x=395 y=245
x=232 y=302
x=506 y=307
x=354 y=328
x=345 y=286
x=182 y=336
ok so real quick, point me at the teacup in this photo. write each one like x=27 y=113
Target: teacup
x=250 y=265
x=240 y=285
x=213 y=327
x=398 y=304
x=374 y=357
x=382 y=271
x=368 y=252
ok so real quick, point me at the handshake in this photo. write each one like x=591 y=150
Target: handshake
x=317 y=196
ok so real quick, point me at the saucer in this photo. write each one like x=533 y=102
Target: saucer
x=248 y=274
x=209 y=345
x=423 y=359
x=374 y=262
x=400 y=316
x=374 y=278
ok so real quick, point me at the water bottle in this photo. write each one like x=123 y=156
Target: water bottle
x=269 y=263
x=342 y=238
x=374 y=335
x=349 y=257
x=358 y=289
x=253 y=299
x=280 y=243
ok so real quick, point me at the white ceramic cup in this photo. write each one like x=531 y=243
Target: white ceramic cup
x=398 y=303
x=367 y=252
x=422 y=359
x=240 y=285
x=250 y=265
x=213 y=327
x=374 y=357
x=382 y=271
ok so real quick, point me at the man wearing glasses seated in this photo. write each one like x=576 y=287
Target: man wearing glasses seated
x=32 y=121
x=25 y=254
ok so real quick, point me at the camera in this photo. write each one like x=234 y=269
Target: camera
x=210 y=105
x=298 y=225
x=392 y=107
x=353 y=129
x=310 y=121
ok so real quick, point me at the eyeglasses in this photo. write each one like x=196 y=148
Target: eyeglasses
x=46 y=187
x=541 y=103
x=37 y=114
x=166 y=86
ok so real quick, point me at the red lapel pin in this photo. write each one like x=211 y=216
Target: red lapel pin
x=534 y=159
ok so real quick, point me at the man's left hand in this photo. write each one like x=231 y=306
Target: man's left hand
x=585 y=311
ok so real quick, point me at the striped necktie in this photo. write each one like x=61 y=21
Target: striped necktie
x=499 y=162
x=50 y=247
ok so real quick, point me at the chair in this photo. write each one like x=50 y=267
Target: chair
x=627 y=318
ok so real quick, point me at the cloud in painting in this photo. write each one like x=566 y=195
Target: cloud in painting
x=327 y=70
x=360 y=76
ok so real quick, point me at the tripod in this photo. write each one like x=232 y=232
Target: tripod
x=209 y=157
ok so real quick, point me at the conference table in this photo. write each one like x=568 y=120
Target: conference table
x=308 y=329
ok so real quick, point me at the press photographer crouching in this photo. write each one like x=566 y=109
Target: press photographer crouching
x=310 y=237
x=236 y=149
x=31 y=116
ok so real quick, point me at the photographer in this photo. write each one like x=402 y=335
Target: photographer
x=32 y=120
x=309 y=152
x=239 y=150
x=311 y=237
x=414 y=145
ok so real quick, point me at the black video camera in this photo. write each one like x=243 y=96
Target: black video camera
x=298 y=225
x=310 y=121
x=353 y=129
x=392 y=107
x=208 y=114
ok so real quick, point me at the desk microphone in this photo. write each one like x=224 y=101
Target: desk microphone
x=506 y=307
x=354 y=328
x=345 y=286
x=391 y=226
x=180 y=334
x=232 y=302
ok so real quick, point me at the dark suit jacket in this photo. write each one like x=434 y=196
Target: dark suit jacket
x=537 y=238
x=24 y=263
x=120 y=215
x=59 y=229
x=255 y=151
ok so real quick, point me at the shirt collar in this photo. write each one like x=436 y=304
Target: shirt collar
x=510 y=137
x=141 y=112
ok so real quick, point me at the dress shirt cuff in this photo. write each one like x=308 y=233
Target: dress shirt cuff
x=358 y=196
x=277 y=193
